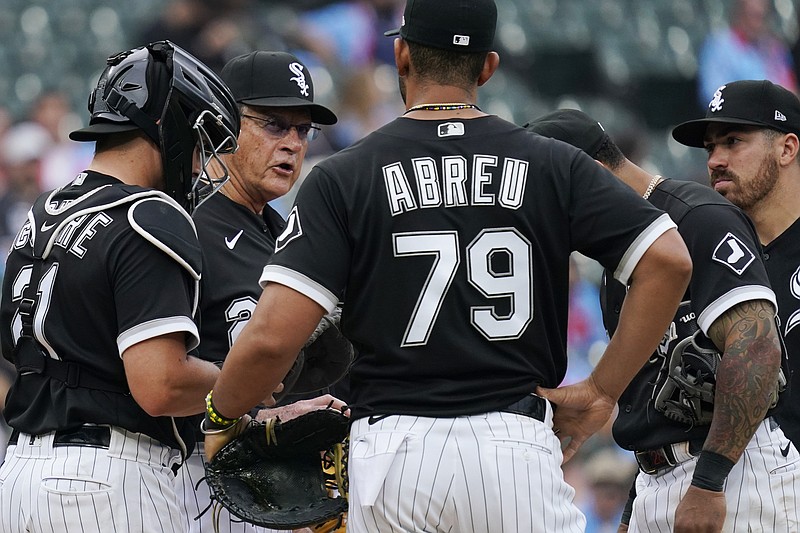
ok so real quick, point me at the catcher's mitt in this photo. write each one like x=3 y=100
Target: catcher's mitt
x=284 y=475
x=324 y=360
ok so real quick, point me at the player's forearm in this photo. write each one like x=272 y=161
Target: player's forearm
x=252 y=371
x=186 y=396
x=746 y=378
x=163 y=380
x=658 y=283
x=265 y=350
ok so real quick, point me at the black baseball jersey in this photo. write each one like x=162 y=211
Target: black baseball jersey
x=121 y=265
x=449 y=244
x=236 y=244
x=782 y=260
x=727 y=270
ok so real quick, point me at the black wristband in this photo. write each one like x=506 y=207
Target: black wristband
x=627 y=511
x=711 y=471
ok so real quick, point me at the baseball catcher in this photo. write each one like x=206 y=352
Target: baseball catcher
x=282 y=475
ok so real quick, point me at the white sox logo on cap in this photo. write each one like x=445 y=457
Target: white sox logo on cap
x=299 y=78
x=716 y=103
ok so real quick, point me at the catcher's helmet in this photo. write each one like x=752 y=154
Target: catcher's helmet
x=176 y=100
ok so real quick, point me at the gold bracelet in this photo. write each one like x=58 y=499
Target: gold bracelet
x=214 y=417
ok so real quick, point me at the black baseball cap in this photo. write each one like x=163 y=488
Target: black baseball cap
x=458 y=25
x=750 y=102
x=274 y=79
x=571 y=126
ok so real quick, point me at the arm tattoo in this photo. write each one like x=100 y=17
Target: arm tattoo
x=747 y=376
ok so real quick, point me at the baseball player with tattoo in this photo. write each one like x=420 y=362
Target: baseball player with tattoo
x=98 y=307
x=237 y=230
x=697 y=414
x=450 y=231
x=750 y=133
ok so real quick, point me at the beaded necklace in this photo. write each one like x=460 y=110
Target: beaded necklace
x=442 y=107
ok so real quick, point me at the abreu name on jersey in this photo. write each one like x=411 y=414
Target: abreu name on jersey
x=453 y=182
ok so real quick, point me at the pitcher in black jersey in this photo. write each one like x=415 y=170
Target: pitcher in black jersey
x=447 y=233
x=99 y=300
x=728 y=314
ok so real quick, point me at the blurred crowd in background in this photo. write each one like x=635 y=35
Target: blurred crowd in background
x=639 y=66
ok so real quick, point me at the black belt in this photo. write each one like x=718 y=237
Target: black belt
x=530 y=405
x=661 y=459
x=92 y=436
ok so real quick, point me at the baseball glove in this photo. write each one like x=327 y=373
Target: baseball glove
x=687 y=392
x=284 y=475
x=324 y=360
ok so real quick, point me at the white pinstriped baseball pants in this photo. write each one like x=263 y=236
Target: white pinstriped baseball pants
x=126 y=488
x=488 y=473
x=761 y=491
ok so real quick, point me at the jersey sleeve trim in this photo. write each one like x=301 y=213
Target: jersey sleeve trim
x=301 y=283
x=730 y=299
x=156 y=328
x=639 y=246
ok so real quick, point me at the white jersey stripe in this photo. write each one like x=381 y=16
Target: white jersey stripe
x=637 y=249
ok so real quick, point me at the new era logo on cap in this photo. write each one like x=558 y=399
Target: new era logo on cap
x=780 y=116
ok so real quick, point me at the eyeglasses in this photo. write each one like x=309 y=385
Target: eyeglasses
x=279 y=127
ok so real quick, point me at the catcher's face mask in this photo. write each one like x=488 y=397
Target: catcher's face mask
x=199 y=112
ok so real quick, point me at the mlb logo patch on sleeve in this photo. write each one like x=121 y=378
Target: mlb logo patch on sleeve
x=733 y=253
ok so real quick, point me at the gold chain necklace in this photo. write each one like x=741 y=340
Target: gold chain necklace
x=652 y=186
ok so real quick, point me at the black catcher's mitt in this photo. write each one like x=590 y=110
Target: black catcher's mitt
x=324 y=360
x=284 y=475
